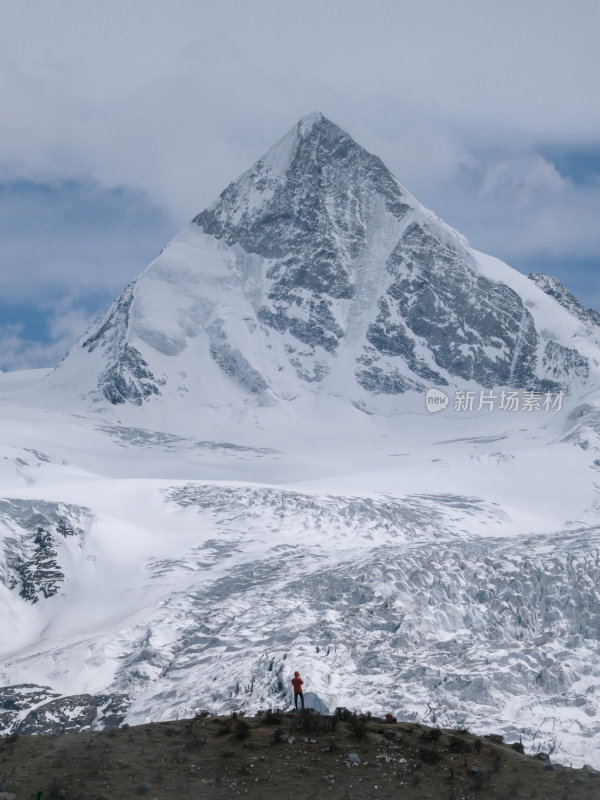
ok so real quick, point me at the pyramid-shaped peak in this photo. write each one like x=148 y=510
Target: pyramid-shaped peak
x=312 y=166
x=306 y=124
x=306 y=140
x=317 y=127
x=316 y=268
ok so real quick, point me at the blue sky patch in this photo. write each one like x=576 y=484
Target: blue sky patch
x=580 y=164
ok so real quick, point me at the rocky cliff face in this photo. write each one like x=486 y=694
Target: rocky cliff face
x=36 y=544
x=317 y=270
x=554 y=288
x=126 y=376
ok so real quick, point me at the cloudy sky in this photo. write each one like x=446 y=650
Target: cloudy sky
x=123 y=119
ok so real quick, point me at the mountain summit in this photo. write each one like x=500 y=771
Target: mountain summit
x=317 y=270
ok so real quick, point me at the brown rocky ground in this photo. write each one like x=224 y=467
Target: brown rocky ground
x=277 y=755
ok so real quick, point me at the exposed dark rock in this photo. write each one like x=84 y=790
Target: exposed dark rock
x=128 y=377
x=311 y=224
x=24 y=695
x=65 y=714
x=381 y=381
x=72 y=713
x=111 y=709
x=31 y=551
x=563 y=363
x=232 y=362
x=438 y=299
x=554 y=288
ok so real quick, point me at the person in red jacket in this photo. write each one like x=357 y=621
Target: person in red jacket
x=297 y=684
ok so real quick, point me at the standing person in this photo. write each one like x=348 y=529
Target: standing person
x=297 y=684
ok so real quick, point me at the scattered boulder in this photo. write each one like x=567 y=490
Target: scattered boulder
x=593 y=773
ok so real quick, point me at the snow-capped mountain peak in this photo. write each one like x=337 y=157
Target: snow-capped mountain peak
x=317 y=271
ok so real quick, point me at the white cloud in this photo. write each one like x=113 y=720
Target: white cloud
x=175 y=100
x=66 y=325
x=526 y=180
x=17 y=351
x=74 y=240
x=178 y=99
x=519 y=208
